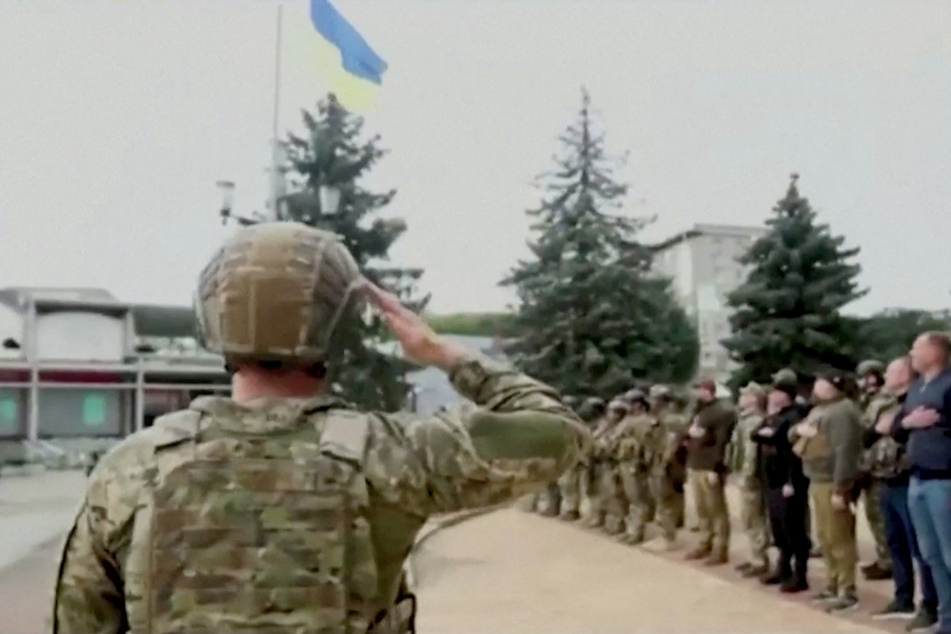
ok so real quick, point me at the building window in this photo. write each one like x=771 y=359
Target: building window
x=94 y=410
x=9 y=415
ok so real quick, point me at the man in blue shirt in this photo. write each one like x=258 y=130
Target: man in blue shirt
x=925 y=421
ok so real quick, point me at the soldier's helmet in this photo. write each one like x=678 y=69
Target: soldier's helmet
x=659 y=391
x=618 y=406
x=870 y=366
x=593 y=407
x=786 y=376
x=570 y=401
x=636 y=397
x=276 y=291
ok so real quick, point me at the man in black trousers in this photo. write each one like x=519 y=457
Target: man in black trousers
x=787 y=489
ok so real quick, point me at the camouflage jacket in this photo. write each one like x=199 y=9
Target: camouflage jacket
x=745 y=459
x=514 y=436
x=885 y=457
x=631 y=441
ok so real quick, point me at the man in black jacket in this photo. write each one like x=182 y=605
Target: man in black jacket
x=890 y=466
x=787 y=489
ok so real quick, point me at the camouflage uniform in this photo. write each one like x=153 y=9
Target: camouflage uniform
x=634 y=458
x=607 y=504
x=753 y=495
x=547 y=502
x=668 y=470
x=571 y=483
x=292 y=515
x=871 y=402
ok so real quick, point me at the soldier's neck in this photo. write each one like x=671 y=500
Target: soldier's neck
x=252 y=384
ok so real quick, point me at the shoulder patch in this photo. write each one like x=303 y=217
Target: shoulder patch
x=345 y=435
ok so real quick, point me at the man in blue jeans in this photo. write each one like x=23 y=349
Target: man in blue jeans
x=890 y=466
x=925 y=421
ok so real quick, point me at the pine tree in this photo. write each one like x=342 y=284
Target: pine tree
x=591 y=318
x=787 y=312
x=334 y=152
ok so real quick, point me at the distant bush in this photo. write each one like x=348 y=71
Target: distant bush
x=475 y=324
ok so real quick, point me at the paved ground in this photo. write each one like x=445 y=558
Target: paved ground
x=515 y=572
x=35 y=512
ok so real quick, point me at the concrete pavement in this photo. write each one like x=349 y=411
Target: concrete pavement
x=519 y=573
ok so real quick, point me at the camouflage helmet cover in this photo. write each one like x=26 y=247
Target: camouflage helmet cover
x=869 y=366
x=275 y=291
x=618 y=405
x=660 y=391
x=786 y=376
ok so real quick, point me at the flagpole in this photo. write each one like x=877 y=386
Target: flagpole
x=275 y=152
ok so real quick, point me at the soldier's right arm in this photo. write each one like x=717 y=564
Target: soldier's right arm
x=514 y=435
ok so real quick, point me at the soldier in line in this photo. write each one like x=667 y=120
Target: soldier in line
x=571 y=482
x=753 y=514
x=709 y=434
x=870 y=377
x=634 y=457
x=604 y=485
x=829 y=442
x=613 y=499
x=787 y=489
x=670 y=469
x=547 y=502
x=283 y=508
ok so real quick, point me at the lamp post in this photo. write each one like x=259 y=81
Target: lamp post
x=328 y=197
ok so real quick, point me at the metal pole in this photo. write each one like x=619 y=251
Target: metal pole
x=33 y=420
x=278 y=45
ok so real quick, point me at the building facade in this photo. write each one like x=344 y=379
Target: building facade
x=79 y=367
x=76 y=363
x=703 y=265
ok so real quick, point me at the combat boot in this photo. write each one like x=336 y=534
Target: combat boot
x=876 y=572
x=698 y=553
x=570 y=516
x=717 y=559
x=755 y=571
x=633 y=539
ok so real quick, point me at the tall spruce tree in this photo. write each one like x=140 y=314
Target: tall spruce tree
x=335 y=152
x=591 y=319
x=787 y=312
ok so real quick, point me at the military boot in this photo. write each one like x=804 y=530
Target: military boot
x=633 y=539
x=699 y=552
x=570 y=516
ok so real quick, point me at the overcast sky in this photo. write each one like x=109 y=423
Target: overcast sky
x=117 y=118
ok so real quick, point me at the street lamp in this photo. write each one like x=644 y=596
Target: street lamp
x=329 y=197
x=227 y=199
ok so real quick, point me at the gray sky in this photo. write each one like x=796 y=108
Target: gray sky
x=116 y=119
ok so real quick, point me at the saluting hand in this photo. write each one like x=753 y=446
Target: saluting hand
x=419 y=342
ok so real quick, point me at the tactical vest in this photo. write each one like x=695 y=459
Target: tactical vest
x=264 y=532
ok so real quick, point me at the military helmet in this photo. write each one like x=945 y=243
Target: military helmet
x=275 y=291
x=618 y=405
x=636 y=396
x=570 y=401
x=594 y=401
x=870 y=366
x=659 y=391
x=785 y=376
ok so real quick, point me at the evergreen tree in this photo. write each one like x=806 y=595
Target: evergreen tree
x=889 y=333
x=591 y=319
x=786 y=313
x=334 y=152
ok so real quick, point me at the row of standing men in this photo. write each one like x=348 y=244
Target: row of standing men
x=648 y=448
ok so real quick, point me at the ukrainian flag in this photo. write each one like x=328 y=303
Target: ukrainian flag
x=345 y=63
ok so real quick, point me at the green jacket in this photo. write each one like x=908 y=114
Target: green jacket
x=834 y=454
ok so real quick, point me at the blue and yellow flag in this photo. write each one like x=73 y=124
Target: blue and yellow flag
x=351 y=69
